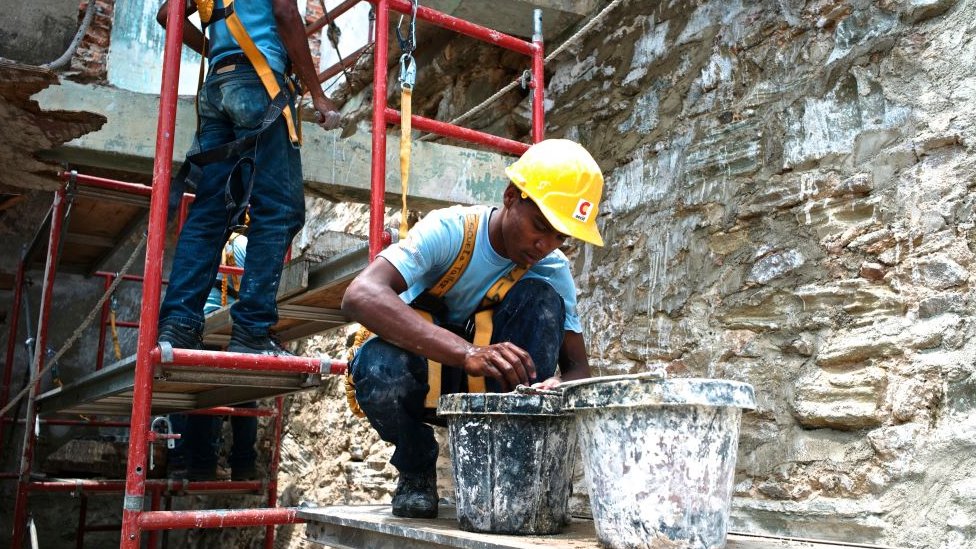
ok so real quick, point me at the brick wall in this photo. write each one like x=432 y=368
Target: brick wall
x=90 y=60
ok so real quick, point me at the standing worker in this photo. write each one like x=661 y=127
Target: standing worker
x=194 y=456
x=246 y=146
x=501 y=297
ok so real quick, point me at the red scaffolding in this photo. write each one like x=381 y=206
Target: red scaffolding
x=135 y=518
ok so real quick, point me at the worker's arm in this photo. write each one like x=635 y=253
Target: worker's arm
x=573 y=362
x=192 y=36
x=291 y=29
x=373 y=300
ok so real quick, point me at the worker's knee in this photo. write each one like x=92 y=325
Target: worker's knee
x=385 y=375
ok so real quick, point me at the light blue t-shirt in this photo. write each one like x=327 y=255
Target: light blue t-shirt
x=259 y=22
x=433 y=244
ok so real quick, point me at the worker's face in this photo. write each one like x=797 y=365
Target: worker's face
x=528 y=235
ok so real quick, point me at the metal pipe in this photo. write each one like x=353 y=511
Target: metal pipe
x=82 y=518
x=44 y=313
x=345 y=63
x=149 y=314
x=8 y=365
x=218 y=518
x=73 y=422
x=166 y=486
x=153 y=540
x=269 y=532
x=538 y=83
x=254 y=363
x=126 y=277
x=377 y=188
x=457 y=132
x=109 y=184
x=330 y=15
x=460 y=26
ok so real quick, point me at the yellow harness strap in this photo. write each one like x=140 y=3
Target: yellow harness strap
x=260 y=65
x=482 y=319
x=446 y=282
x=227 y=260
x=405 y=108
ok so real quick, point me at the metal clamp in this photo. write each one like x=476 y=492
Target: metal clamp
x=165 y=352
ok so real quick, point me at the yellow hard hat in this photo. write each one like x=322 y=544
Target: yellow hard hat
x=565 y=183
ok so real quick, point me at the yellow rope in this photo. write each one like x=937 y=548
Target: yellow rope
x=361 y=336
x=115 y=336
x=405 y=109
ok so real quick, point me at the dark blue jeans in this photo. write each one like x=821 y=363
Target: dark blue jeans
x=197 y=449
x=391 y=383
x=232 y=105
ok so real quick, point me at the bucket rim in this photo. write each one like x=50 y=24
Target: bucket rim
x=506 y=404
x=653 y=389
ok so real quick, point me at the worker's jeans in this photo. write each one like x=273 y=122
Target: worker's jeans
x=231 y=105
x=391 y=383
x=197 y=448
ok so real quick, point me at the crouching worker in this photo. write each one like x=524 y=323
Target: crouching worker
x=484 y=292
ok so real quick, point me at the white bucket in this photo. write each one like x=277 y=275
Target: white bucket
x=659 y=457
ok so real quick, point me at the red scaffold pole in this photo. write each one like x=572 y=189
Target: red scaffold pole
x=12 y=339
x=458 y=132
x=40 y=348
x=135 y=477
x=377 y=188
x=457 y=25
x=538 y=83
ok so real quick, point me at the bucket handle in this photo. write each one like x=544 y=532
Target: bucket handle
x=526 y=390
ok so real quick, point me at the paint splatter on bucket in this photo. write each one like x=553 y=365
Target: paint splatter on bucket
x=513 y=457
x=659 y=457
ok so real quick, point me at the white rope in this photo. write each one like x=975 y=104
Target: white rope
x=77 y=333
x=562 y=47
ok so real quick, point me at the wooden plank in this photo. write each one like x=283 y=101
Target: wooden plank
x=373 y=526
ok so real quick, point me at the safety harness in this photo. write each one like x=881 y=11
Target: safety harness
x=430 y=304
x=191 y=171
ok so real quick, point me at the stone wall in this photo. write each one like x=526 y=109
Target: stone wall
x=788 y=204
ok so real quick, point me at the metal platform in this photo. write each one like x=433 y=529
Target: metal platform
x=309 y=296
x=175 y=389
x=374 y=527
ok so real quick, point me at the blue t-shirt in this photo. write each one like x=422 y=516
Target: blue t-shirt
x=259 y=22
x=433 y=244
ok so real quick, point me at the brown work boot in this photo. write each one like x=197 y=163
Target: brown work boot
x=416 y=495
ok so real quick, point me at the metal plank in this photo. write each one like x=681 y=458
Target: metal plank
x=175 y=388
x=294 y=281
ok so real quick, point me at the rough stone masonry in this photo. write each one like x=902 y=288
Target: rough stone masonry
x=789 y=204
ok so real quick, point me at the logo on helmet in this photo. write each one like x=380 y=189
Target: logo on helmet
x=582 y=212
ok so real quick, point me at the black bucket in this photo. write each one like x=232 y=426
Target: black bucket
x=513 y=457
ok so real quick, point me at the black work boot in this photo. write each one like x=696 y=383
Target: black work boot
x=416 y=495
x=242 y=342
x=179 y=336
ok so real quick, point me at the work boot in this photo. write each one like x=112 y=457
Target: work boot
x=416 y=495
x=179 y=336
x=242 y=342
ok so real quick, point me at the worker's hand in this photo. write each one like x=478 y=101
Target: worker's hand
x=326 y=114
x=508 y=363
x=548 y=385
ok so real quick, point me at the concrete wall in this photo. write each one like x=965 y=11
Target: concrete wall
x=37 y=32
